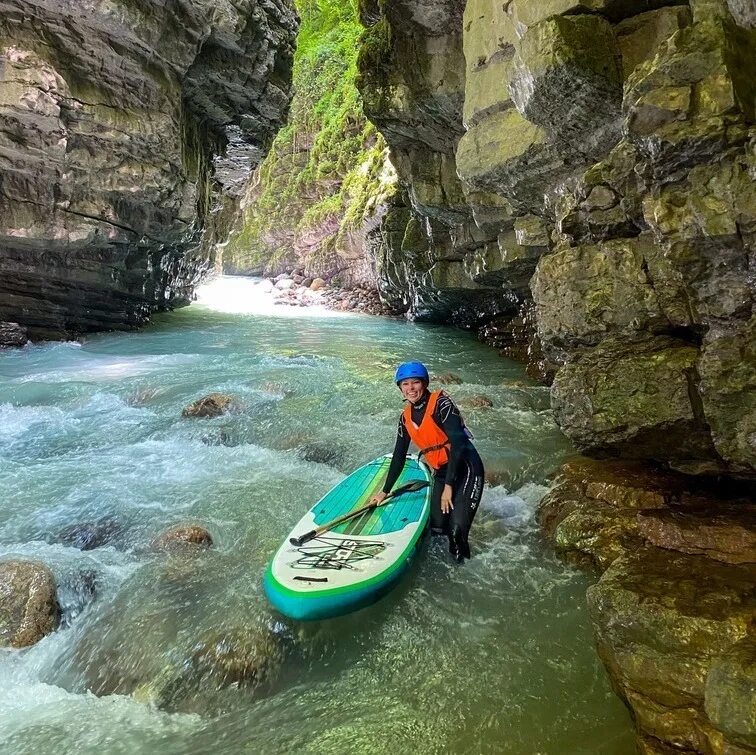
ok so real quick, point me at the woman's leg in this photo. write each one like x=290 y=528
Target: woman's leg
x=439 y=523
x=468 y=489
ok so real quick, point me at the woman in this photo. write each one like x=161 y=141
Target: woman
x=433 y=423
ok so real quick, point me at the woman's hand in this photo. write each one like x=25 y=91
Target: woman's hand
x=377 y=498
x=446 y=500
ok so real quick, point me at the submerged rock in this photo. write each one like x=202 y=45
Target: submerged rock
x=212 y=405
x=89 y=535
x=183 y=538
x=321 y=453
x=478 y=401
x=29 y=607
x=446 y=378
x=240 y=659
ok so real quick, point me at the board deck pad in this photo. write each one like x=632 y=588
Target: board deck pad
x=358 y=561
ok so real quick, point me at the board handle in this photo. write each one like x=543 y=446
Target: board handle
x=302 y=539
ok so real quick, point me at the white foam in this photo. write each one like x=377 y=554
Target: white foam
x=255 y=296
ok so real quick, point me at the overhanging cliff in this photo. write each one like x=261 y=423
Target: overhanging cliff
x=589 y=166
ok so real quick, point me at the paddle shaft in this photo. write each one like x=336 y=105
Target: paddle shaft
x=312 y=534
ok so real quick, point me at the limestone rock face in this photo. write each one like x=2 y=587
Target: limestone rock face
x=673 y=611
x=661 y=645
x=605 y=155
x=29 y=607
x=112 y=133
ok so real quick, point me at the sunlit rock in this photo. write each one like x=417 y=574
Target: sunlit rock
x=661 y=621
x=183 y=538
x=724 y=533
x=29 y=607
x=212 y=405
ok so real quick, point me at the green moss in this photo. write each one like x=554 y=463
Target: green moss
x=326 y=163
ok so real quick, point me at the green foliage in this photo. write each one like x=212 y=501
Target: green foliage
x=325 y=164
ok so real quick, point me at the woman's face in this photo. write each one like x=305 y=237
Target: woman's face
x=412 y=389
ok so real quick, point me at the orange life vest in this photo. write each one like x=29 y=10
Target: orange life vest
x=432 y=441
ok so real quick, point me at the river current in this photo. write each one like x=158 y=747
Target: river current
x=494 y=656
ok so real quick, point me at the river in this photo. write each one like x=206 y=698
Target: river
x=494 y=656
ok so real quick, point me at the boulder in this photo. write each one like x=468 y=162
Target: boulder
x=285 y=284
x=446 y=378
x=317 y=284
x=661 y=621
x=322 y=453
x=12 y=334
x=89 y=535
x=183 y=538
x=477 y=401
x=237 y=659
x=29 y=608
x=212 y=405
x=633 y=396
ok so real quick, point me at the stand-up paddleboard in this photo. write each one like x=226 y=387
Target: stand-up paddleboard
x=358 y=561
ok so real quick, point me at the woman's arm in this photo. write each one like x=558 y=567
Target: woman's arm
x=447 y=416
x=398 y=458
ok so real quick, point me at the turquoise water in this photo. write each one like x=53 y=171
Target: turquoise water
x=494 y=656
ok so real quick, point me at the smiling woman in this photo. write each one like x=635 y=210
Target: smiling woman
x=433 y=423
x=181 y=652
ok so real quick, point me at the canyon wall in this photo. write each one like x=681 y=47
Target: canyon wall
x=125 y=126
x=579 y=180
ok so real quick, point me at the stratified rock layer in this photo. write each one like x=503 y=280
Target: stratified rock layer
x=592 y=163
x=116 y=118
x=674 y=611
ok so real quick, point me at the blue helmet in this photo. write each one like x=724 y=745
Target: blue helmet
x=411 y=370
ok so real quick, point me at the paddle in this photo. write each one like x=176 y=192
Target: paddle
x=406 y=488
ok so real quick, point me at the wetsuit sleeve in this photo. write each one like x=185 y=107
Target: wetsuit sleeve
x=399 y=457
x=448 y=418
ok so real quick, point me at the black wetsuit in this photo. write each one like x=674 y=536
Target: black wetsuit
x=463 y=471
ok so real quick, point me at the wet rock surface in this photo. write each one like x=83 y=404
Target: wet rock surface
x=89 y=535
x=182 y=538
x=212 y=405
x=601 y=217
x=29 y=607
x=113 y=152
x=166 y=641
x=673 y=612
